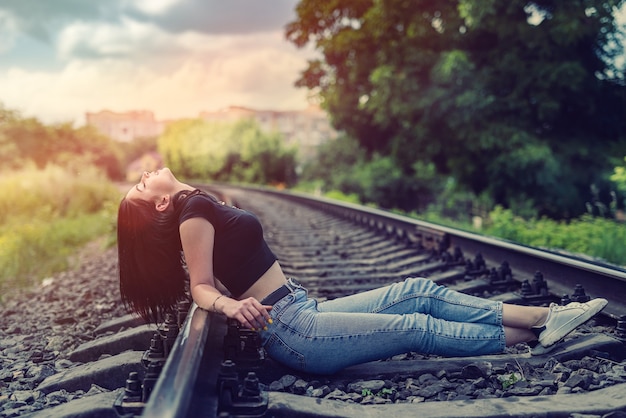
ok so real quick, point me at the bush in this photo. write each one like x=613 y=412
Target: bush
x=228 y=152
x=596 y=237
x=52 y=192
x=45 y=215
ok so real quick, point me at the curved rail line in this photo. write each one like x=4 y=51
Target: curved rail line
x=565 y=271
x=195 y=380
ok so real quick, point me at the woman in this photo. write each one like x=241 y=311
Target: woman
x=168 y=230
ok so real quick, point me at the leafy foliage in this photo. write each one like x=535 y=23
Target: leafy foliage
x=45 y=215
x=342 y=165
x=136 y=149
x=238 y=152
x=510 y=380
x=619 y=178
x=383 y=393
x=521 y=100
x=52 y=192
x=594 y=236
x=57 y=195
x=26 y=140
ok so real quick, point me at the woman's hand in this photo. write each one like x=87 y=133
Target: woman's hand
x=249 y=312
x=197 y=236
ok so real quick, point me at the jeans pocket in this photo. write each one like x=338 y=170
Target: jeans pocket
x=281 y=352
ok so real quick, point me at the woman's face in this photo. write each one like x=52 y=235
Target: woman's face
x=153 y=185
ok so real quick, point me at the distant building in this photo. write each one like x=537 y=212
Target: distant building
x=307 y=128
x=127 y=126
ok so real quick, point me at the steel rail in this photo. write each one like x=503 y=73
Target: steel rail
x=565 y=271
x=195 y=350
x=173 y=392
x=596 y=266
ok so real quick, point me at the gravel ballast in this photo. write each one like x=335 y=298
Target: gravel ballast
x=40 y=327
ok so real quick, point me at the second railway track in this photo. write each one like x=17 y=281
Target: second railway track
x=216 y=369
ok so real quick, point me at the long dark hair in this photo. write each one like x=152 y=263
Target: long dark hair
x=152 y=276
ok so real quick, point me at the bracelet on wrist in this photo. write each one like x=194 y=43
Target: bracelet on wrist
x=213 y=306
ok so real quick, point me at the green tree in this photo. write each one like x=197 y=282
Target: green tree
x=227 y=152
x=343 y=165
x=137 y=148
x=619 y=179
x=24 y=140
x=518 y=99
x=263 y=158
x=195 y=148
x=76 y=148
x=10 y=156
x=333 y=164
x=30 y=139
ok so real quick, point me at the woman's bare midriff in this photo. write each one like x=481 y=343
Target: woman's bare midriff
x=271 y=280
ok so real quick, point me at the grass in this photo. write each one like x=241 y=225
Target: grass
x=46 y=216
x=594 y=237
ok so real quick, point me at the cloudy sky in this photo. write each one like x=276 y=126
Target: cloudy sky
x=62 y=58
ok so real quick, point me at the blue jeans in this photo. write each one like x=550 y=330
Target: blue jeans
x=413 y=315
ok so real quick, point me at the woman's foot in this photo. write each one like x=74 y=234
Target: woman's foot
x=562 y=320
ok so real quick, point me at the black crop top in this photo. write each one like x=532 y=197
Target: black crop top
x=240 y=253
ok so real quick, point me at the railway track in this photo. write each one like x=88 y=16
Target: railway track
x=198 y=365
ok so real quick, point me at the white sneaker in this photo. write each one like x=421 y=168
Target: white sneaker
x=564 y=319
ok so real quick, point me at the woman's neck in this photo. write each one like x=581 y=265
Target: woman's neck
x=180 y=187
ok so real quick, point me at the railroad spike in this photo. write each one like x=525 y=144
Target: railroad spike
x=502 y=277
x=150 y=379
x=479 y=263
x=469 y=270
x=536 y=293
x=580 y=295
x=526 y=289
x=504 y=272
x=446 y=258
x=132 y=391
x=171 y=332
x=452 y=258
x=227 y=384
x=156 y=352
x=476 y=267
x=458 y=254
x=493 y=276
x=128 y=403
x=250 y=386
x=540 y=286
x=243 y=346
x=247 y=401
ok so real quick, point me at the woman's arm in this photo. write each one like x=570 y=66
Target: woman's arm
x=197 y=236
x=220 y=286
